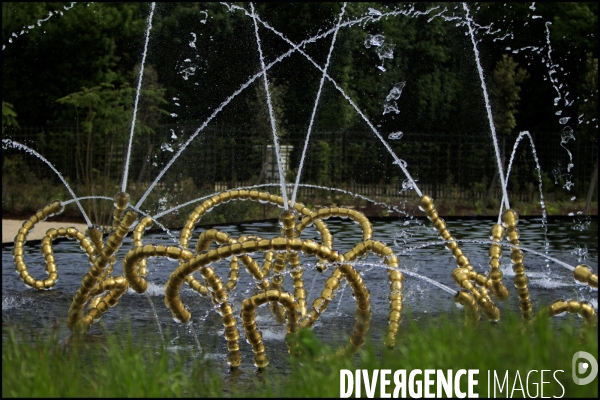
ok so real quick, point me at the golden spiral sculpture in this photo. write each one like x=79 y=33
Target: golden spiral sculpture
x=100 y=290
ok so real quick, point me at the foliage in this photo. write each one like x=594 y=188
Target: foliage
x=22 y=192
x=199 y=40
x=203 y=53
x=120 y=366
x=260 y=124
x=103 y=114
x=46 y=63
x=9 y=116
x=570 y=27
x=588 y=105
x=505 y=89
x=323 y=152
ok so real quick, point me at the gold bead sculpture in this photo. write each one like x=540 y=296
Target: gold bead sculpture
x=510 y=219
x=51 y=209
x=281 y=255
x=583 y=274
x=464 y=274
x=498 y=289
x=471 y=310
x=582 y=308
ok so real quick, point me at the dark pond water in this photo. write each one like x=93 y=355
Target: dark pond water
x=570 y=240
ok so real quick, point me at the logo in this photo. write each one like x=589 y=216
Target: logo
x=583 y=367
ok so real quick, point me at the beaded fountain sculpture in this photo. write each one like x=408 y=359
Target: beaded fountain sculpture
x=100 y=290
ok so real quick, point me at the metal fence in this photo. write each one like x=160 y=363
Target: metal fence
x=445 y=166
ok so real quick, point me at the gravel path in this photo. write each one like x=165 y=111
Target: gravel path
x=10 y=228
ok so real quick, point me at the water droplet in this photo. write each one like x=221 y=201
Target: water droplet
x=193 y=42
x=567 y=134
x=187 y=72
x=396 y=91
x=400 y=162
x=568 y=185
x=390 y=106
x=407 y=184
x=386 y=50
x=204 y=17
x=166 y=147
x=581 y=223
x=374 y=40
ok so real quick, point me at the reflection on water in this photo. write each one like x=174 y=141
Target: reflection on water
x=414 y=241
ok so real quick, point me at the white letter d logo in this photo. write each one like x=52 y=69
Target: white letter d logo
x=583 y=367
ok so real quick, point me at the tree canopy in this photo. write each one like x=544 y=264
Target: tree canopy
x=203 y=52
x=396 y=67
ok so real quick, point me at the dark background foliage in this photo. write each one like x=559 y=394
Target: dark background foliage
x=199 y=54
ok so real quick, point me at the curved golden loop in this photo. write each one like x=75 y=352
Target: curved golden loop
x=582 y=308
x=135 y=256
x=363 y=304
x=248 y=314
x=138 y=232
x=395 y=277
x=254 y=195
x=116 y=288
x=203 y=244
x=51 y=209
x=327 y=212
x=199 y=262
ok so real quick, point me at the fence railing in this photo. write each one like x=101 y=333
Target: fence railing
x=445 y=166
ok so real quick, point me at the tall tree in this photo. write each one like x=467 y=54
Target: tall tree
x=504 y=90
x=588 y=111
x=53 y=49
x=103 y=114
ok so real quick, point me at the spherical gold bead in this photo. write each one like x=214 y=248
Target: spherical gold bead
x=582 y=273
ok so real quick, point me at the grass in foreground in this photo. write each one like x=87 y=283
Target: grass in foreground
x=119 y=368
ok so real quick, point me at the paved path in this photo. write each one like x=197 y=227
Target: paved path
x=10 y=228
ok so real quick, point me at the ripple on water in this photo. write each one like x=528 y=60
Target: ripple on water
x=13 y=302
